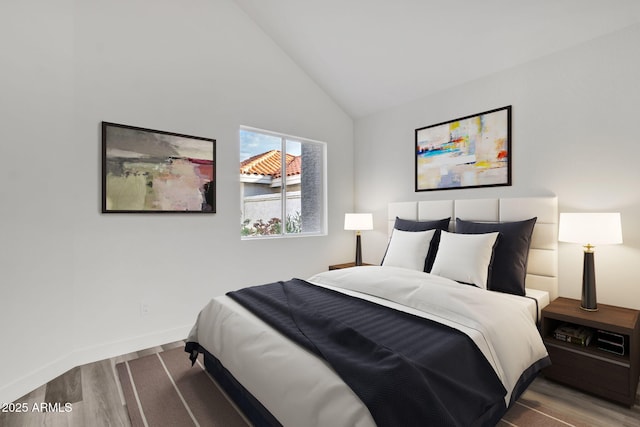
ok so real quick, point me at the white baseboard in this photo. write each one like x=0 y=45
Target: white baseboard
x=82 y=356
x=15 y=390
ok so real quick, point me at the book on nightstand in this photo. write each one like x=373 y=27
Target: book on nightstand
x=573 y=334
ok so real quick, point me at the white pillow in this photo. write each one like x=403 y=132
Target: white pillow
x=465 y=257
x=408 y=249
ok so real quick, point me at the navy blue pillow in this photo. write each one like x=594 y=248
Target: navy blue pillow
x=440 y=224
x=508 y=269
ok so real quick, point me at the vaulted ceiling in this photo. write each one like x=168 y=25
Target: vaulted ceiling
x=370 y=55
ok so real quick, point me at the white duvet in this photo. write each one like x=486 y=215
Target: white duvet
x=300 y=389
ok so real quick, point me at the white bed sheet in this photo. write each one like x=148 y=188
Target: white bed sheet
x=300 y=389
x=542 y=298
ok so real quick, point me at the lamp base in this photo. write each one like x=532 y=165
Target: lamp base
x=589 y=283
x=358 y=251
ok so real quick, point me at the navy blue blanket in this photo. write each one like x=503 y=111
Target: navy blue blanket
x=407 y=370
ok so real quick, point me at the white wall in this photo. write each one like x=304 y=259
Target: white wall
x=575 y=134
x=72 y=279
x=36 y=195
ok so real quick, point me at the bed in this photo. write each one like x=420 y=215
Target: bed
x=449 y=353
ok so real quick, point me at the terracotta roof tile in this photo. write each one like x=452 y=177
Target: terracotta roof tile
x=294 y=166
x=269 y=163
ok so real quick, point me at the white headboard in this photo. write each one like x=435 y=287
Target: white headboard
x=542 y=268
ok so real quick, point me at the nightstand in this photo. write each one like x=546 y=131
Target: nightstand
x=611 y=374
x=345 y=265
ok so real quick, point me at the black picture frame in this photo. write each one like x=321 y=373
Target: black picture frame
x=154 y=171
x=468 y=152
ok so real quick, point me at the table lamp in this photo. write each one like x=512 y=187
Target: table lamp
x=358 y=222
x=590 y=230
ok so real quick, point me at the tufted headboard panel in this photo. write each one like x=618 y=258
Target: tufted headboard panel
x=542 y=267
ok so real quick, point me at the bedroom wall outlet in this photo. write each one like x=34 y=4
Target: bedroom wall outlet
x=144 y=308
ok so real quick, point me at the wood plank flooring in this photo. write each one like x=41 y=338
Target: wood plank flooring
x=94 y=392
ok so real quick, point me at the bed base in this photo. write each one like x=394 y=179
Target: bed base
x=249 y=405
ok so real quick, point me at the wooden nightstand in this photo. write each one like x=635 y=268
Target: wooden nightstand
x=589 y=368
x=345 y=265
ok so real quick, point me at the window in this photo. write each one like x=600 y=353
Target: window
x=281 y=195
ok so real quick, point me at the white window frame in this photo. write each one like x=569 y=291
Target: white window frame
x=283 y=194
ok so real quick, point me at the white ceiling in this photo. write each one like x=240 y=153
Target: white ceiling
x=369 y=55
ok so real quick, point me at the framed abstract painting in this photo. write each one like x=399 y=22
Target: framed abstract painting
x=153 y=171
x=472 y=151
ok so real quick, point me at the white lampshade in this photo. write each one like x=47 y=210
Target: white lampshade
x=590 y=228
x=358 y=221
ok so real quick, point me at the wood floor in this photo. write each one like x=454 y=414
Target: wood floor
x=95 y=399
x=93 y=391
